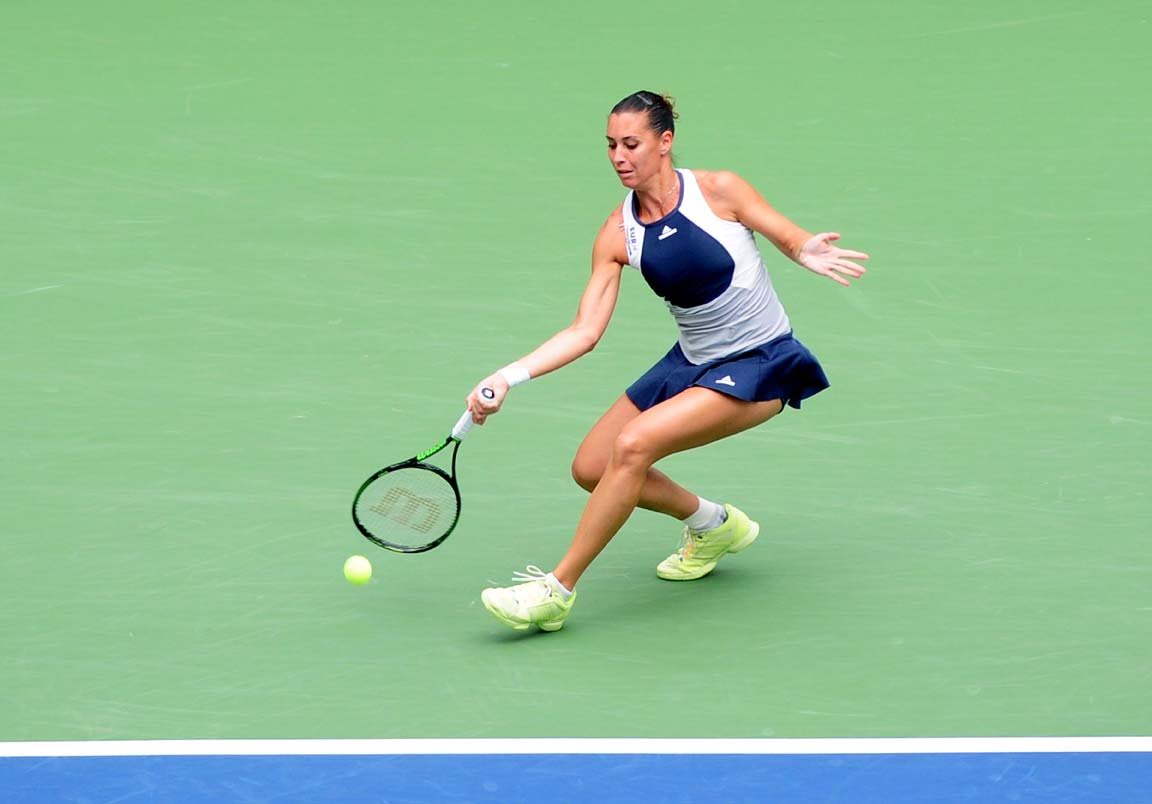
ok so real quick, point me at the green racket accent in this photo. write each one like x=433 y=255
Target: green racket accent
x=428 y=453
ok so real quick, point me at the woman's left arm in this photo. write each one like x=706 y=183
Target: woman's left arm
x=816 y=252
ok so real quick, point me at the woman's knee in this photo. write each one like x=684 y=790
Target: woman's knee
x=587 y=471
x=634 y=448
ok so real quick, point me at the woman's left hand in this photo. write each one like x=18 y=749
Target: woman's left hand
x=820 y=256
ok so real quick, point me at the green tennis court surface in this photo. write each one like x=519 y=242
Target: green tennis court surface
x=252 y=251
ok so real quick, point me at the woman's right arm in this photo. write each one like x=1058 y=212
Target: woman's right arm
x=578 y=338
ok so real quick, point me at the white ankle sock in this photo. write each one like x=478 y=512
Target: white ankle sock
x=559 y=587
x=708 y=516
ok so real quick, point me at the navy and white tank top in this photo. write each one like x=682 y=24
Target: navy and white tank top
x=710 y=273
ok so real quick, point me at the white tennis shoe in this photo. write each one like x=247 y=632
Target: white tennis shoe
x=535 y=601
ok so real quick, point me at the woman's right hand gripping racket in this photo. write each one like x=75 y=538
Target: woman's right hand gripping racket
x=412 y=506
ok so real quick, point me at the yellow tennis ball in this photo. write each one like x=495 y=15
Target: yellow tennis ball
x=358 y=570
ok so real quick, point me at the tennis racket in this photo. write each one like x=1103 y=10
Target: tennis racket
x=412 y=506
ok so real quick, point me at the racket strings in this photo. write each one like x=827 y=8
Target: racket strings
x=410 y=506
x=407 y=508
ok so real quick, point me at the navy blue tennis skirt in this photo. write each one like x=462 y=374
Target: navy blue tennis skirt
x=782 y=368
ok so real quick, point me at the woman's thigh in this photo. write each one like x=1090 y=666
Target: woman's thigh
x=596 y=449
x=694 y=417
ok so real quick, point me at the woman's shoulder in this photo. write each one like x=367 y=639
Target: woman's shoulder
x=725 y=192
x=718 y=181
x=615 y=218
x=610 y=238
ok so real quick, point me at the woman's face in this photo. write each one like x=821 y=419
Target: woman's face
x=634 y=149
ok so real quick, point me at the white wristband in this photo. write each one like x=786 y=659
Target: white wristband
x=514 y=374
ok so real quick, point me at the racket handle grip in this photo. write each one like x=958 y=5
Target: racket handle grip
x=464 y=426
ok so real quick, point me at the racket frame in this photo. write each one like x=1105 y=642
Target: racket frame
x=415 y=462
x=418 y=461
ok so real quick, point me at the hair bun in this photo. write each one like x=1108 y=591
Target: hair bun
x=660 y=108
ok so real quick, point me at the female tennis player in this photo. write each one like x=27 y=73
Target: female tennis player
x=735 y=365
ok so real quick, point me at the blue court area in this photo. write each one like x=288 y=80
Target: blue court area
x=1104 y=776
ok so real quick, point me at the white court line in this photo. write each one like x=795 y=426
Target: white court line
x=880 y=745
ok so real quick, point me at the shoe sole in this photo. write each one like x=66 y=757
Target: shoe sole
x=750 y=537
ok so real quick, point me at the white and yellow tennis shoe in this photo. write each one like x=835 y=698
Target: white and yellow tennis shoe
x=536 y=601
x=699 y=552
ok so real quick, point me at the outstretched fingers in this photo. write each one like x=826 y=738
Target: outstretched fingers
x=830 y=272
x=821 y=256
x=822 y=240
x=850 y=268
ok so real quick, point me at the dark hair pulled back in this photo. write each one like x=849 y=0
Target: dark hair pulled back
x=661 y=109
